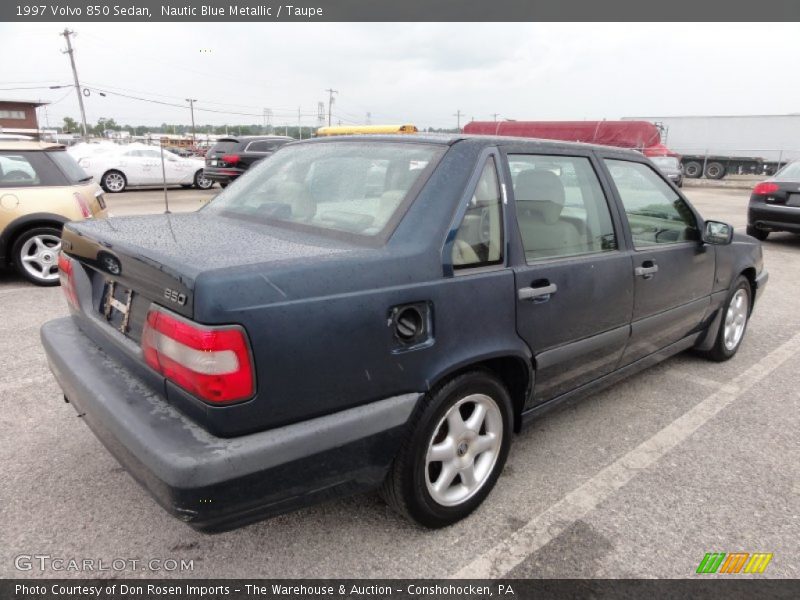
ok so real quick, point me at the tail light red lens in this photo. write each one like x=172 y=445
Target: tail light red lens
x=213 y=363
x=66 y=275
x=231 y=159
x=766 y=188
x=83 y=206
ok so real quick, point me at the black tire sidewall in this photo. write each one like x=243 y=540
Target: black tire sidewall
x=106 y=188
x=17 y=248
x=720 y=350
x=421 y=506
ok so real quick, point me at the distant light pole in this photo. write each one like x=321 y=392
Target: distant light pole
x=191 y=102
x=331 y=92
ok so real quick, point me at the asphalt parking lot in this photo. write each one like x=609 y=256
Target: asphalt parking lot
x=641 y=480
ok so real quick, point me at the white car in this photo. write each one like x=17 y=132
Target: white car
x=121 y=167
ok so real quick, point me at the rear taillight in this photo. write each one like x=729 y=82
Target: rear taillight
x=66 y=274
x=213 y=363
x=231 y=159
x=765 y=188
x=83 y=206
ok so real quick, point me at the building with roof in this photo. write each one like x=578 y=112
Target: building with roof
x=19 y=117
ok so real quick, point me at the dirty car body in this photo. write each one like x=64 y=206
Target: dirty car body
x=358 y=276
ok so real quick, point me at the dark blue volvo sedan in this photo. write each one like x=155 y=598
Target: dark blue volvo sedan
x=383 y=312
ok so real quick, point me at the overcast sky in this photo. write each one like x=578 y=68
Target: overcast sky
x=419 y=73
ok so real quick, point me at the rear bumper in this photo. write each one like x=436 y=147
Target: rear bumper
x=220 y=174
x=774 y=217
x=216 y=483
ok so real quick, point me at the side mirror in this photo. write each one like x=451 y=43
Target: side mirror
x=716 y=232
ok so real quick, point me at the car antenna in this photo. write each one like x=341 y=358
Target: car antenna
x=164 y=179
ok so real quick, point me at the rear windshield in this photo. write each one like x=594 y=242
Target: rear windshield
x=356 y=188
x=28 y=168
x=224 y=147
x=69 y=166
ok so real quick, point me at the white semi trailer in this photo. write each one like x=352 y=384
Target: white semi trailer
x=716 y=146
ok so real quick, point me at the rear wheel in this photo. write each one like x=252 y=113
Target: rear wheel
x=201 y=182
x=715 y=170
x=454 y=451
x=759 y=234
x=732 y=327
x=35 y=255
x=113 y=182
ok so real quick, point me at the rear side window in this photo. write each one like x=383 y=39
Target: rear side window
x=479 y=241
x=561 y=208
x=656 y=213
x=262 y=146
x=69 y=166
x=24 y=169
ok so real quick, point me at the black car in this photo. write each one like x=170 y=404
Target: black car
x=775 y=203
x=383 y=312
x=231 y=156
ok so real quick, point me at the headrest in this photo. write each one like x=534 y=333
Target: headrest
x=296 y=195
x=541 y=192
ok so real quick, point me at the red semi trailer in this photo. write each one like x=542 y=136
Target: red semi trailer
x=638 y=135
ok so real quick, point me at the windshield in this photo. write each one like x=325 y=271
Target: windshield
x=790 y=171
x=352 y=187
x=665 y=162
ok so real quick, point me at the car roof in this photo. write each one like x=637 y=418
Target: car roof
x=484 y=140
x=250 y=138
x=29 y=145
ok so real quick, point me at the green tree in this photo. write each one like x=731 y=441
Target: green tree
x=71 y=125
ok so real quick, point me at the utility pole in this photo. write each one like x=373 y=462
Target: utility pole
x=191 y=102
x=369 y=118
x=495 y=115
x=299 y=123
x=67 y=33
x=330 y=103
x=457 y=115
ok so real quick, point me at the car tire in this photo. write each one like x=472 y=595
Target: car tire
x=733 y=322
x=693 y=169
x=35 y=255
x=473 y=450
x=715 y=170
x=201 y=183
x=114 y=181
x=224 y=184
x=759 y=234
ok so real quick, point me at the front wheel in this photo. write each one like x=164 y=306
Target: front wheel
x=114 y=182
x=202 y=183
x=732 y=327
x=455 y=449
x=35 y=255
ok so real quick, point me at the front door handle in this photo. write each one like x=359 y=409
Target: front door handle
x=647 y=270
x=540 y=294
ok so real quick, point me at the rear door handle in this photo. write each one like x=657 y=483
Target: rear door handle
x=647 y=270
x=543 y=293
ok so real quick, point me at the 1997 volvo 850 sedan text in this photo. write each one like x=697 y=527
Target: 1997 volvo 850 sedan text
x=383 y=312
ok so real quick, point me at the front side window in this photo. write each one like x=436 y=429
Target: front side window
x=656 y=213
x=356 y=188
x=561 y=208
x=479 y=241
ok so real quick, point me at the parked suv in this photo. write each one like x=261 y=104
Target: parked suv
x=775 y=203
x=232 y=156
x=41 y=188
x=383 y=312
